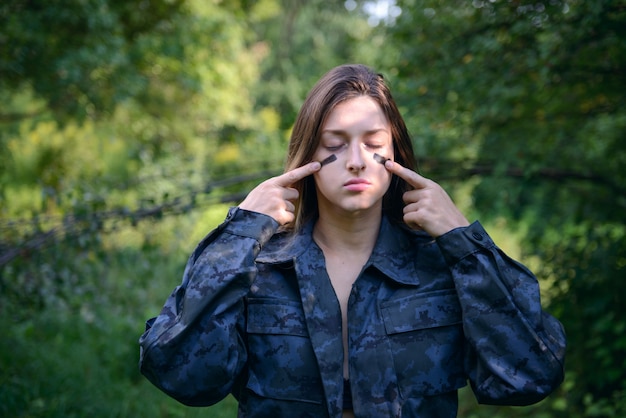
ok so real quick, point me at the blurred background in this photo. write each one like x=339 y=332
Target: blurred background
x=128 y=127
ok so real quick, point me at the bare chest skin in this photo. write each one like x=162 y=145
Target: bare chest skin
x=346 y=249
x=343 y=272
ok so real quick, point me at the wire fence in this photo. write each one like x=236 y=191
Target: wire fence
x=39 y=232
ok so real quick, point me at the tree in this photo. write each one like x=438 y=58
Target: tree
x=529 y=97
x=304 y=39
x=82 y=57
x=115 y=116
x=110 y=115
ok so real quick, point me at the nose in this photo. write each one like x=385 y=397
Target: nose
x=356 y=160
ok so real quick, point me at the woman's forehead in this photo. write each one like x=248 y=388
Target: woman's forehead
x=362 y=112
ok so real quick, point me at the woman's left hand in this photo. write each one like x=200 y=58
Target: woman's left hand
x=428 y=206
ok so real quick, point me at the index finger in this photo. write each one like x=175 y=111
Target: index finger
x=407 y=175
x=297 y=174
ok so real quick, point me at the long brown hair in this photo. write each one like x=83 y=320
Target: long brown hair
x=338 y=85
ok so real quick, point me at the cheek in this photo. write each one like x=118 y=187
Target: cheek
x=386 y=176
x=324 y=177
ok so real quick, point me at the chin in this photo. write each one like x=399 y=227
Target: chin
x=360 y=208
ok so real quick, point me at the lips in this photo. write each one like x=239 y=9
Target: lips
x=357 y=184
x=356 y=181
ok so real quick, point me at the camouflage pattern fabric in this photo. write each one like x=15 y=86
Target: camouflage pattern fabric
x=256 y=316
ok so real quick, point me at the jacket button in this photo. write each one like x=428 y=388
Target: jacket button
x=477 y=236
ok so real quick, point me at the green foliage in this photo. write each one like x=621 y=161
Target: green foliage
x=298 y=52
x=117 y=117
x=82 y=57
x=72 y=316
x=529 y=97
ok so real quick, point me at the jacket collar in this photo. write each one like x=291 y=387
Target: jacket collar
x=393 y=254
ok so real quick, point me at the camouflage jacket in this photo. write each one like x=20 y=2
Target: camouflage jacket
x=256 y=316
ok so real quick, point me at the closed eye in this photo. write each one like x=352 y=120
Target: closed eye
x=334 y=146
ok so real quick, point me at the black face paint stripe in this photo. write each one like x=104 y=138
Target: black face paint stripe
x=328 y=160
x=380 y=159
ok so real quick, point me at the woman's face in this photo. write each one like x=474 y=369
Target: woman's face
x=354 y=131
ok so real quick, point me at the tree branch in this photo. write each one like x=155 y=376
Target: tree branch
x=458 y=170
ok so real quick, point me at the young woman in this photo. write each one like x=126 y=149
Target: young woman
x=352 y=286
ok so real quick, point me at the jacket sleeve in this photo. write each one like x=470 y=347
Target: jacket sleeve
x=194 y=350
x=515 y=350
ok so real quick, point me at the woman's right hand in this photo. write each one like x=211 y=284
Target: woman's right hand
x=275 y=196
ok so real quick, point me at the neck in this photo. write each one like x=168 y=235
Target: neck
x=349 y=233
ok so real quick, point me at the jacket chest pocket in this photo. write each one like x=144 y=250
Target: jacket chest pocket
x=281 y=360
x=426 y=337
